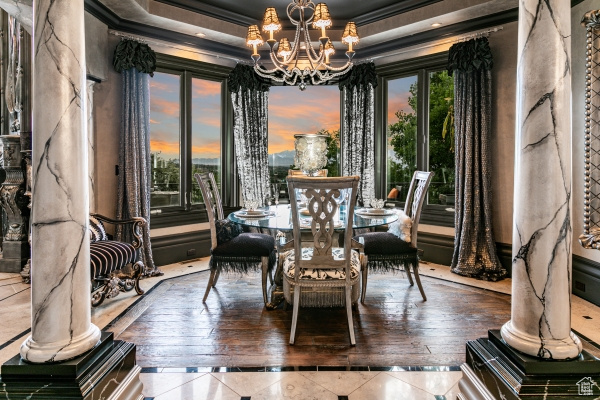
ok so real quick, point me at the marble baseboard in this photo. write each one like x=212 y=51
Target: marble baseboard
x=508 y=374
x=109 y=368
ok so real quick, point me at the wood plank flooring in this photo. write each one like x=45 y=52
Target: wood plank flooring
x=394 y=326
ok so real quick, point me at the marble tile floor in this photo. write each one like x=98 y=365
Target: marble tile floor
x=434 y=383
x=306 y=385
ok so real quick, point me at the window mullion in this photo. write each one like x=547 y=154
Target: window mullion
x=186 y=139
x=422 y=119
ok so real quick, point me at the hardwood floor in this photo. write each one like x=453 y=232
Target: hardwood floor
x=394 y=326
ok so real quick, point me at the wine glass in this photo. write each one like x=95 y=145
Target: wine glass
x=275 y=193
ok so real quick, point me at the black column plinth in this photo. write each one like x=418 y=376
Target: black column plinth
x=109 y=368
x=509 y=374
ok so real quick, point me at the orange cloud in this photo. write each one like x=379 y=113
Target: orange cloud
x=202 y=88
x=164 y=106
x=292 y=112
x=168 y=149
x=162 y=86
x=154 y=121
x=207 y=150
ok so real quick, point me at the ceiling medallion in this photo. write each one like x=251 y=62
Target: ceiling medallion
x=298 y=63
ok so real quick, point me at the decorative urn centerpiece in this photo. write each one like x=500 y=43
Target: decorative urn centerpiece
x=311 y=152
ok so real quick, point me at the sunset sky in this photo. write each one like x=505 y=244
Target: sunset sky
x=398 y=94
x=164 y=117
x=291 y=111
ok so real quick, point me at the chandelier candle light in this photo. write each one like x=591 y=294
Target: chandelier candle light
x=298 y=63
x=311 y=152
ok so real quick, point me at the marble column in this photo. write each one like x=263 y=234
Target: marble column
x=540 y=322
x=61 y=326
x=91 y=143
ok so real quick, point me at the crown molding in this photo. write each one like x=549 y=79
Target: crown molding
x=394 y=9
x=211 y=11
x=113 y=21
x=460 y=28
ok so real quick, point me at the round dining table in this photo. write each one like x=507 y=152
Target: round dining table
x=279 y=218
x=277 y=221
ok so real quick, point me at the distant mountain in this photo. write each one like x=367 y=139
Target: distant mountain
x=206 y=161
x=282 y=159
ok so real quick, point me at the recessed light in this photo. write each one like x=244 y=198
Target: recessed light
x=436 y=24
x=200 y=34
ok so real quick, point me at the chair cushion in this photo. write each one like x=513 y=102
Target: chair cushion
x=109 y=255
x=226 y=230
x=289 y=265
x=97 y=231
x=246 y=245
x=401 y=227
x=384 y=243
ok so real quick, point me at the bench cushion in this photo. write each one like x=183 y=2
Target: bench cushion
x=109 y=255
x=289 y=265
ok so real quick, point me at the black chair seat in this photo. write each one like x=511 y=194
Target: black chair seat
x=107 y=256
x=246 y=245
x=385 y=243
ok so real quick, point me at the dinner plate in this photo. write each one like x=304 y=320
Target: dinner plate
x=372 y=212
x=251 y=214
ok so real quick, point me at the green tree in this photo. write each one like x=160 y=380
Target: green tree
x=333 y=151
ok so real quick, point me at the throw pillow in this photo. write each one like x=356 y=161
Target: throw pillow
x=226 y=230
x=97 y=231
x=401 y=227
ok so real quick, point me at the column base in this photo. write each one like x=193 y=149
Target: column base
x=14 y=256
x=495 y=369
x=556 y=349
x=108 y=371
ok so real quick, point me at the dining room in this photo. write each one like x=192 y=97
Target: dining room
x=382 y=211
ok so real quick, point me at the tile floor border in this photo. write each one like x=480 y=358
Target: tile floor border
x=328 y=368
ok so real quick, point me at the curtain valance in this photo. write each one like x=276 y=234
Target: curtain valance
x=473 y=55
x=131 y=53
x=243 y=76
x=361 y=74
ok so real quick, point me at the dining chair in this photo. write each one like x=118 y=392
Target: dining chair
x=386 y=251
x=320 y=268
x=233 y=250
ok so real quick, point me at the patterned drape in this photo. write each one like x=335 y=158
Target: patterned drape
x=135 y=61
x=474 y=245
x=358 y=127
x=250 y=98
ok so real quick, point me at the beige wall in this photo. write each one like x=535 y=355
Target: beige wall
x=107 y=124
x=504 y=85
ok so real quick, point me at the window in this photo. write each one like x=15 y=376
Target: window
x=187 y=110
x=291 y=112
x=417 y=133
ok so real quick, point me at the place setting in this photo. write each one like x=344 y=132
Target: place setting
x=251 y=210
x=375 y=210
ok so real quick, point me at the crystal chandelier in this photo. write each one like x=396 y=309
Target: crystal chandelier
x=298 y=63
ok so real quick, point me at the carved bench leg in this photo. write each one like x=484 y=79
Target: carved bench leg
x=138 y=270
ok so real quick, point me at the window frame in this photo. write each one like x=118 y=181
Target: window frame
x=432 y=214
x=187 y=213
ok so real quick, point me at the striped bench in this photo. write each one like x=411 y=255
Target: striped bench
x=115 y=266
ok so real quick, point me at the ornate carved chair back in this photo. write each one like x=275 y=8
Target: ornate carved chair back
x=212 y=201
x=322 y=196
x=417 y=193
